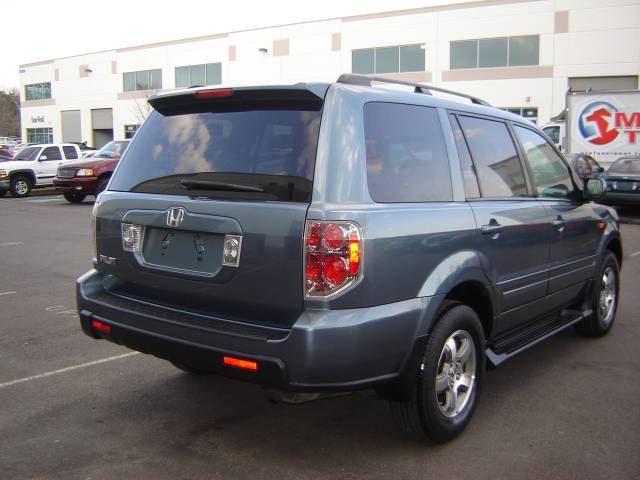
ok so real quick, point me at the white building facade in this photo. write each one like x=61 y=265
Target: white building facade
x=520 y=55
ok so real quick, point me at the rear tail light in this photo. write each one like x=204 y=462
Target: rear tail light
x=240 y=363
x=103 y=327
x=132 y=237
x=332 y=257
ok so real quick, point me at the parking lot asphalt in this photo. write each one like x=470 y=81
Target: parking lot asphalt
x=72 y=407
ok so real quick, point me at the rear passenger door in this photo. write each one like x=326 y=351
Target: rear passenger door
x=573 y=224
x=512 y=227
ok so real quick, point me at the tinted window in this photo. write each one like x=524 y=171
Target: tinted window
x=495 y=158
x=551 y=177
x=629 y=166
x=270 y=150
x=524 y=50
x=493 y=52
x=387 y=60
x=553 y=133
x=412 y=58
x=52 y=153
x=70 y=152
x=464 y=54
x=406 y=155
x=466 y=165
x=362 y=61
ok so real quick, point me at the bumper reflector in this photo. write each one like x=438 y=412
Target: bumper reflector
x=239 y=363
x=103 y=327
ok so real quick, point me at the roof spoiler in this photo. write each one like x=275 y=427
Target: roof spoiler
x=366 y=80
x=299 y=96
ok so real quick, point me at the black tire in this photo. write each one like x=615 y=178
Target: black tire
x=20 y=186
x=74 y=197
x=422 y=414
x=188 y=369
x=101 y=185
x=601 y=321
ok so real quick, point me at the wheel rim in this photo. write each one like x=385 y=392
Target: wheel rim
x=456 y=373
x=21 y=187
x=607 y=300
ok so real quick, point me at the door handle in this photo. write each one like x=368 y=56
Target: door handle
x=558 y=223
x=491 y=229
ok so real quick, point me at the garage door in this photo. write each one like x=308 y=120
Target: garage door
x=71 y=126
x=102 y=119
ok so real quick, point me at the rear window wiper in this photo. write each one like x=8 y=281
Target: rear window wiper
x=210 y=185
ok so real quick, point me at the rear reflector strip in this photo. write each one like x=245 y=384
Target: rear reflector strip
x=239 y=363
x=219 y=92
x=103 y=327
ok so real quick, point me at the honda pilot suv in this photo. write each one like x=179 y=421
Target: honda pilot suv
x=333 y=237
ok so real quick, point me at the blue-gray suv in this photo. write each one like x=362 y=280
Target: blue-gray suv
x=319 y=238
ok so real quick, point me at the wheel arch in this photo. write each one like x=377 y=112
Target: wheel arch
x=27 y=173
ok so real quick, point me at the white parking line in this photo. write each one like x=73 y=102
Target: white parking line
x=635 y=254
x=7 y=293
x=67 y=369
x=44 y=200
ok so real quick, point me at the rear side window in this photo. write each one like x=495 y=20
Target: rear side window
x=495 y=157
x=406 y=155
x=253 y=155
x=70 y=152
x=466 y=165
x=52 y=153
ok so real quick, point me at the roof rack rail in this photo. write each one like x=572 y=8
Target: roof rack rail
x=366 y=80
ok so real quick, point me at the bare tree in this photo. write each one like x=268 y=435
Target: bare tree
x=10 y=113
x=140 y=108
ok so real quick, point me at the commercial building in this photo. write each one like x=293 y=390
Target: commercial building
x=520 y=55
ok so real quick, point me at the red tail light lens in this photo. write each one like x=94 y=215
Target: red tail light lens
x=333 y=257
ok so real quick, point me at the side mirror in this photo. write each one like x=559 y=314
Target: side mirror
x=595 y=189
x=43 y=157
x=599 y=169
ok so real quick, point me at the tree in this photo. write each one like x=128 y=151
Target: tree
x=10 y=113
x=140 y=108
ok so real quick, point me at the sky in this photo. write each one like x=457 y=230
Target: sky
x=46 y=29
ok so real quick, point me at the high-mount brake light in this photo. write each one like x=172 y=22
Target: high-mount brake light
x=218 y=92
x=332 y=257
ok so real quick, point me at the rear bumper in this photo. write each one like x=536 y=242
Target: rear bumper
x=325 y=350
x=77 y=184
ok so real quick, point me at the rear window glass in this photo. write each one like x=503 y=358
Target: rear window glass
x=254 y=154
x=70 y=152
x=406 y=155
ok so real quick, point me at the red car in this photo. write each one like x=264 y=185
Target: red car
x=89 y=177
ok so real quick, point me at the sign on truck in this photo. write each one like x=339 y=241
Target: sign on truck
x=605 y=125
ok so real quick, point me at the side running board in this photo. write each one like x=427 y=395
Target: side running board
x=508 y=346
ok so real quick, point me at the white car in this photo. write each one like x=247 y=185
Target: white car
x=35 y=166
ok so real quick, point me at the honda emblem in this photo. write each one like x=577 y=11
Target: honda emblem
x=175 y=216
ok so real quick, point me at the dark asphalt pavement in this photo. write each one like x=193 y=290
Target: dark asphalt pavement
x=567 y=409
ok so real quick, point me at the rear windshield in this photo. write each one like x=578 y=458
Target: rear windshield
x=254 y=155
x=629 y=166
x=113 y=149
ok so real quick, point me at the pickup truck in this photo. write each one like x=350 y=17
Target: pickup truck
x=34 y=167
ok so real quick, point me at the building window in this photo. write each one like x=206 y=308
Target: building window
x=39 y=135
x=496 y=52
x=37 y=91
x=529 y=113
x=142 y=80
x=190 y=75
x=403 y=58
x=130 y=131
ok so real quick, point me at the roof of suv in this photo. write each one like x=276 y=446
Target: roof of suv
x=421 y=94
